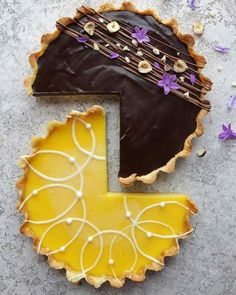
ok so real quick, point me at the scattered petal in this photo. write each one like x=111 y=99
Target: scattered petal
x=221 y=49
x=114 y=55
x=82 y=39
x=156 y=65
x=232 y=102
x=140 y=34
x=192 y=79
x=227 y=133
x=168 y=83
x=192 y=4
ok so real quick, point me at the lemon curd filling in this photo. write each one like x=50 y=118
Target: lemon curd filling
x=73 y=218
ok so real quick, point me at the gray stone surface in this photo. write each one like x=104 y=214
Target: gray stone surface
x=206 y=263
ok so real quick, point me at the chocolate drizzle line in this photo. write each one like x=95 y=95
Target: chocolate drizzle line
x=132 y=66
x=173 y=58
x=145 y=52
x=91 y=10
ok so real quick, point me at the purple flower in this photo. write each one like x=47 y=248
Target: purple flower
x=82 y=39
x=192 y=79
x=140 y=34
x=114 y=55
x=232 y=102
x=156 y=65
x=192 y=4
x=227 y=133
x=221 y=49
x=168 y=83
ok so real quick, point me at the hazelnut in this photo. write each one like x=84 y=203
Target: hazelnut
x=156 y=51
x=113 y=27
x=89 y=28
x=201 y=152
x=163 y=58
x=186 y=94
x=139 y=53
x=167 y=68
x=180 y=66
x=144 y=67
x=96 y=47
x=127 y=59
x=198 y=28
x=126 y=48
x=134 y=42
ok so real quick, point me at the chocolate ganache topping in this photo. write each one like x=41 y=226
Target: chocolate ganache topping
x=154 y=126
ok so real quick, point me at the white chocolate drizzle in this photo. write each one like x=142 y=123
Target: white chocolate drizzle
x=135 y=222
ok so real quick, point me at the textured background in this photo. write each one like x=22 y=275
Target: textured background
x=206 y=263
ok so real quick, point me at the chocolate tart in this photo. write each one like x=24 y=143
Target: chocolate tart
x=155 y=129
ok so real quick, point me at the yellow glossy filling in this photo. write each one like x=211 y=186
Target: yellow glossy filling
x=103 y=209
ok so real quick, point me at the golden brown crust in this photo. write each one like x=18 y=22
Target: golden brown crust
x=185 y=38
x=95 y=281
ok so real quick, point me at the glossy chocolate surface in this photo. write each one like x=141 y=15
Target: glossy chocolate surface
x=153 y=126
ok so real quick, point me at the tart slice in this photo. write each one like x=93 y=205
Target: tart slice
x=73 y=219
x=148 y=63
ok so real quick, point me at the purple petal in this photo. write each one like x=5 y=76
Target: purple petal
x=192 y=79
x=192 y=4
x=82 y=39
x=140 y=34
x=224 y=128
x=232 y=102
x=114 y=55
x=172 y=78
x=161 y=83
x=146 y=39
x=174 y=85
x=227 y=133
x=223 y=136
x=221 y=49
x=144 y=31
x=156 y=65
x=166 y=89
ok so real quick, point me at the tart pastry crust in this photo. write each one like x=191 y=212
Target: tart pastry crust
x=32 y=203
x=185 y=38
